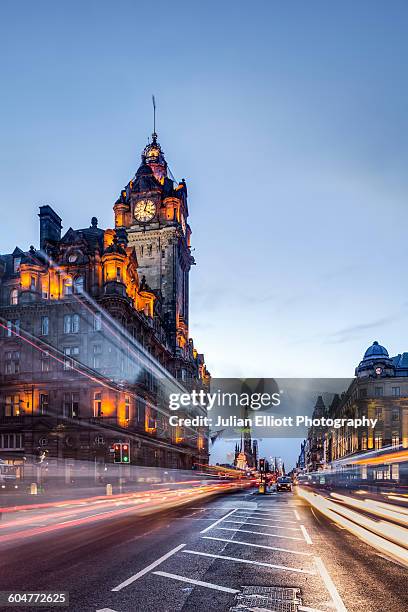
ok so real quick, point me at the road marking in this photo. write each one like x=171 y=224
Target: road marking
x=306 y=535
x=274 y=526
x=272 y=535
x=208 y=585
x=307 y=609
x=219 y=521
x=105 y=610
x=297 y=515
x=249 y=561
x=263 y=518
x=295 y=552
x=330 y=586
x=147 y=569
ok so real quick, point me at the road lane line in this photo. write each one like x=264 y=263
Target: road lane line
x=297 y=515
x=295 y=552
x=208 y=585
x=249 y=561
x=330 y=586
x=272 y=535
x=306 y=535
x=147 y=569
x=274 y=526
x=219 y=521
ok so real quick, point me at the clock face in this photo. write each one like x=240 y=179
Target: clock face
x=145 y=210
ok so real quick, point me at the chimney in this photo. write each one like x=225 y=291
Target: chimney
x=50 y=225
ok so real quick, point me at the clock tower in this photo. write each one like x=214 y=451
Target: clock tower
x=152 y=210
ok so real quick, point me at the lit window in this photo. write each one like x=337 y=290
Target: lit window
x=127 y=407
x=97 y=404
x=67 y=285
x=378 y=442
x=16 y=264
x=118 y=275
x=13 y=297
x=12 y=407
x=395 y=440
x=33 y=283
x=364 y=443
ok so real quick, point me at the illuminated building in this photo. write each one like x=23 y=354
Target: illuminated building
x=378 y=391
x=92 y=322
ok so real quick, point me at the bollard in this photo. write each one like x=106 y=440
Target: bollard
x=33 y=488
x=108 y=489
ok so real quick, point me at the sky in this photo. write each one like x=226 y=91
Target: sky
x=289 y=123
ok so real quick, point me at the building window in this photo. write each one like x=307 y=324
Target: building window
x=127 y=407
x=395 y=414
x=364 y=443
x=378 y=442
x=14 y=297
x=79 y=284
x=378 y=412
x=11 y=441
x=378 y=391
x=362 y=393
x=97 y=351
x=97 y=407
x=396 y=391
x=71 y=353
x=395 y=471
x=118 y=275
x=33 y=283
x=71 y=324
x=70 y=407
x=12 y=362
x=45 y=326
x=43 y=403
x=97 y=321
x=45 y=362
x=12 y=407
x=67 y=285
x=16 y=264
x=395 y=441
x=13 y=328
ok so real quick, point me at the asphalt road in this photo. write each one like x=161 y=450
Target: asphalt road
x=198 y=557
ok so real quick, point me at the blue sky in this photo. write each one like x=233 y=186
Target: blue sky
x=289 y=122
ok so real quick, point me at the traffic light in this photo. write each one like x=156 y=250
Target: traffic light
x=125 y=453
x=118 y=452
x=121 y=452
x=262 y=465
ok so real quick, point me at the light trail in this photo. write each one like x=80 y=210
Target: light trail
x=378 y=534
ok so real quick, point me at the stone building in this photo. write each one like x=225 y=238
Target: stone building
x=94 y=333
x=378 y=391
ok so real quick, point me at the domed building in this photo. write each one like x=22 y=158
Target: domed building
x=379 y=391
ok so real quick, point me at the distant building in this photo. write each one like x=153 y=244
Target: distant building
x=378 y=391
x=72 y=316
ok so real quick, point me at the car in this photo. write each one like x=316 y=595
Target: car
x=284 y=483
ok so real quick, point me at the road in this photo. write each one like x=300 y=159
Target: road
x=211 y=554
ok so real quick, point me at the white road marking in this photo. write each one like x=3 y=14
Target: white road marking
x=297 y=515
x=295 y=552
x=260 y=563
x=219 y=521
x=105 y=610
x=307 y=609
x=272 y=535
x=330 y=586
x=263 y=518
x=147 y=569
x=306 y=535
x=208 y=585
x=274 y=526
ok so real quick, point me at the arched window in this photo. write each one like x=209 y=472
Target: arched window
x=67 y=285
x=79 y=284
x=14 y=297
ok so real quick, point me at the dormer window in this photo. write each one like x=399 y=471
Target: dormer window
x=16 y=264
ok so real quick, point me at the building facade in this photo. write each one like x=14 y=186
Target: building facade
x=379 y=391
x=94 y=333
